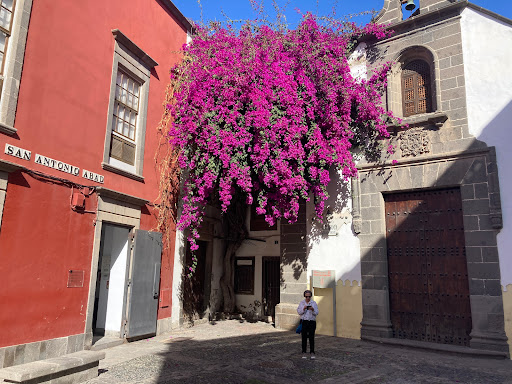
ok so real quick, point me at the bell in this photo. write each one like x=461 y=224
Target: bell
x=410 y=5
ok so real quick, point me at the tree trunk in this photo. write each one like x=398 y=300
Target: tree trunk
x=235 y=232
x=228 y=278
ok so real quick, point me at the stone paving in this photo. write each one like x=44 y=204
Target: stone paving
x=234 y=352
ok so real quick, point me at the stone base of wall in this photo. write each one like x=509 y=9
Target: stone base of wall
x=489 y=342
x=40 y=350
x=286 y=316
x=164 y=325
x=377 y=328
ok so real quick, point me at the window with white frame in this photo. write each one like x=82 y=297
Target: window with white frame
x=126 y=125
x=124 y=120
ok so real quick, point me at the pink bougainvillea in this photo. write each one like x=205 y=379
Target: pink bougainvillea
x=267 y=113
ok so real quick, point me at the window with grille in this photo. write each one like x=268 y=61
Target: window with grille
x=124 y=121
x=6 y=13
x=244 y=275
x=416 y=90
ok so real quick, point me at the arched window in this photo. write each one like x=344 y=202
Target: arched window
x=416 y=88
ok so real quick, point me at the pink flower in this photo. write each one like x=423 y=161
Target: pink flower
x=267 y=113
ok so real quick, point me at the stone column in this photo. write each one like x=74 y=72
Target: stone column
x=374 y=270
x=293 y=270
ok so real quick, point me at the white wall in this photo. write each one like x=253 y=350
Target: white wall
x=357 y=62
x=179 y=257
x=258 y=249
x=116 y=299
x=487 y=49
x=338 y=252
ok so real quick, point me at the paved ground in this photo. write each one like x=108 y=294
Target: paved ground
x=230 y=352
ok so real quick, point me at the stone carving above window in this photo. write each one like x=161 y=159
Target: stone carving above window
x=414 y=142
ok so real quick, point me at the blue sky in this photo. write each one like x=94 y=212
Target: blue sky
x=241 y=9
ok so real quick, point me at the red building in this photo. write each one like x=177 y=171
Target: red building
x=82 y=90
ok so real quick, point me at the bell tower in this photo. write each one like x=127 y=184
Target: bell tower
x=394 y=11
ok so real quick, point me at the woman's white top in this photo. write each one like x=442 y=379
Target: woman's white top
x=307 y=314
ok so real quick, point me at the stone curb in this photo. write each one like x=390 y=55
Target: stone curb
x=37 y=369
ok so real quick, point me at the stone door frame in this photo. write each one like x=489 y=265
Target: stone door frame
x=476 y=173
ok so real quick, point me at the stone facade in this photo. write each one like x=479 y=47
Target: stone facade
x=436 y=151
x=293 y=270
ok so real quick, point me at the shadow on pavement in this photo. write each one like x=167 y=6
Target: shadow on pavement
x=275 y=358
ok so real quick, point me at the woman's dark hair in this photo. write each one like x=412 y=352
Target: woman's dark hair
x=308 y=291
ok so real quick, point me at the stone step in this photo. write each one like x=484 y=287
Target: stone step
x=106 y=342
x=438 y=347
x=76 y=367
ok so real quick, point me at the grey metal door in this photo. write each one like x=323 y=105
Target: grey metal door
x=144 y=284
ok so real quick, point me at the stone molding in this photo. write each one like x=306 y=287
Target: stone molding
x=143 y=56
x=424 y=159
x=436 y=119
x=7 y=166
x=105 y=192
x=119 y=171
x=7 y=129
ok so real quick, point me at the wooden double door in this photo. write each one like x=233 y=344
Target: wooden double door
x=428 y=279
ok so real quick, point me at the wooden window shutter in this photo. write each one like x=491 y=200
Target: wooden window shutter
x=416 y=88
x=122 y=150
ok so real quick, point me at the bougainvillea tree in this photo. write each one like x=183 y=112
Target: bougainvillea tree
x=260 y=115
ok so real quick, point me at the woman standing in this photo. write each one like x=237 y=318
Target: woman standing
x=308 y=311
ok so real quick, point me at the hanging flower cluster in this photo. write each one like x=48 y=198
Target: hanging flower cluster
x=267 y=113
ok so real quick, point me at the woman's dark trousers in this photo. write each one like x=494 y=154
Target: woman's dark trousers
x=308 y=331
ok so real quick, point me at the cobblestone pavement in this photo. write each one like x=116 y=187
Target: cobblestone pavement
x=230 y=352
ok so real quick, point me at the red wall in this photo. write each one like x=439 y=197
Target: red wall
x=62 y=113
x=35 y=301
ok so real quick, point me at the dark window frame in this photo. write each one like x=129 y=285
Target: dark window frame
x=244 y=271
